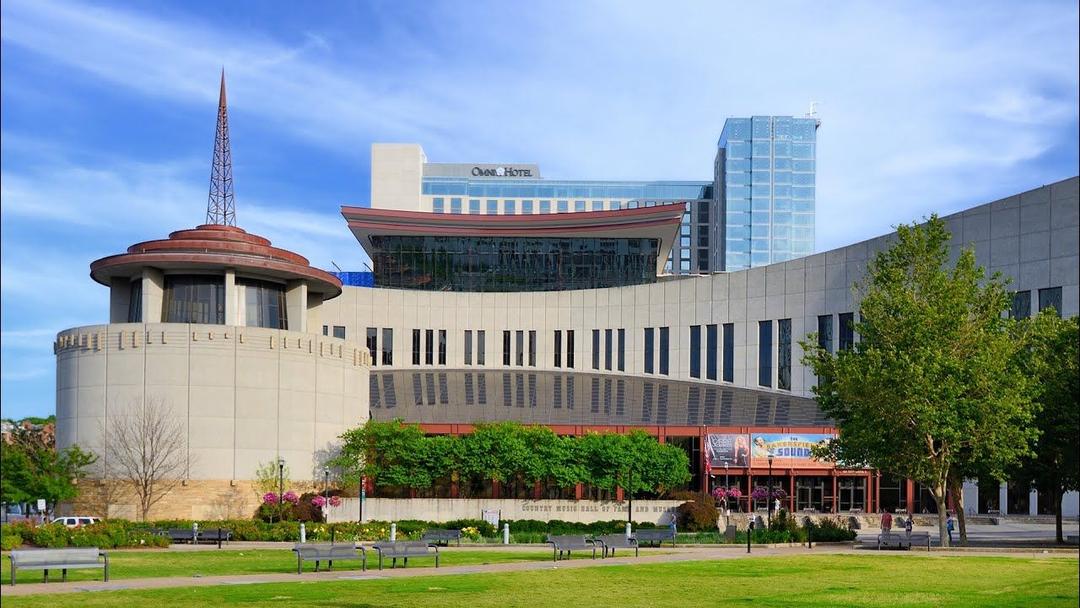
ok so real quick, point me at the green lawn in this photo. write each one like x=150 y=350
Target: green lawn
x=826 y=580
x=143 y=564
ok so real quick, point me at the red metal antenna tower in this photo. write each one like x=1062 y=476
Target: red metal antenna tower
x=221 y=205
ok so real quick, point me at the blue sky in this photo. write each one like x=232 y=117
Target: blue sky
x=108 y=116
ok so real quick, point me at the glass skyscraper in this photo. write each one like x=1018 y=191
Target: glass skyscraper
x=764 y=179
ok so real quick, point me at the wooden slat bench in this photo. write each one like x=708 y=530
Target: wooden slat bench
x=405 y=550
x=58 y=559
x=329 y=553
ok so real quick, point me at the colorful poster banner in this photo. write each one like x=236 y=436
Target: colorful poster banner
x=730 y=449
x=788 y=450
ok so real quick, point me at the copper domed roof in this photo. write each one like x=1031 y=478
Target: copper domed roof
x=213 y=247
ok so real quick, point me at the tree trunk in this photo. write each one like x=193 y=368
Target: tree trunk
x=957 y=489
x=942 y=513
x=1057 y=496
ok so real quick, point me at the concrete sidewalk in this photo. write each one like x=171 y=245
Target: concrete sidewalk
x=675 y=555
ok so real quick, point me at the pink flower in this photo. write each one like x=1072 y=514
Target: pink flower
x=290 y=496
x=318 y=501
x=270 y=498
x=719 y=493
x=734 y=492
x=335 y=501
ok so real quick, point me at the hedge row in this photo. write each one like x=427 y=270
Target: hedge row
x=121 y=533
x=106 y=535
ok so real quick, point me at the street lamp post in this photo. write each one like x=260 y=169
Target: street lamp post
x=727 y=483
x=768 y=494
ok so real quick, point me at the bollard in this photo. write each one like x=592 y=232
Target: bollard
x=219 y=537
x=393 y=532
x=749 y=535
x=332 y=531
x=303 y=533
x=194 y=533
x=629 y=532
x=506 y=534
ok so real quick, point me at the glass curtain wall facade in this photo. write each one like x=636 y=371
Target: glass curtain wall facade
x=765 y=179
x=511 y=263
x=697 y=249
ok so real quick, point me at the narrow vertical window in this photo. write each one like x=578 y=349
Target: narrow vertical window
x=825 y=332
x=695 y=351
x=783 y=355
x=596 y=349
x=664 y=345
x=442 y=347
x=532 y=348
x=468 y=347
x=429 y=347
x=729 y=352
x=506 y=348
x=519 y=343
x=622 y=350
x=416 y=347
x=710 y=352
x=765 y=351
x=570 y=348
x=373 y=344
x=387 y=346
x=481 y=346
x=339 y=331
x=648 y=350
x=847 y=330
x=558 y=348
x=607 y=349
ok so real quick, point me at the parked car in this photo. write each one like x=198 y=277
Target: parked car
x=76 y=521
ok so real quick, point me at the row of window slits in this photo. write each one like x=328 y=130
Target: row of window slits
x=608 y=396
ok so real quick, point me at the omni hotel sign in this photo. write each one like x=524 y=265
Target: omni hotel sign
x=507 y=171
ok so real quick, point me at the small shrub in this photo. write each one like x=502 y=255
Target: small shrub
x=9 y=539
x=697 y=514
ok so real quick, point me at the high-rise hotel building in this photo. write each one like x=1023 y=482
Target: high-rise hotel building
x=764 y=172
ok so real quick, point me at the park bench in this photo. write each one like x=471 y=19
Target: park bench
x=214 y=535
x=903 y=541
x=655 y=536
x=610 y=542
x=405 y=550
x=329 y=553
x=179 y=535
x=566 y=544
x=441 y=536
x=58 y=559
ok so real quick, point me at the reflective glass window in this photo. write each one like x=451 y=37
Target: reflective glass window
x=474 y=206
x=527 y=206
x=481 y=347
x=508 y=207
x=194 y=299
x=563 y=206
x=492 y=207
x=711 y=353
x=455 y=205
x=648 y=350
x=729 y=352
x=1050 y=298
x=387 y=346
x=416 y=347
x=429 y=347
x=545 y=206
x=664 y=346
x=437 y=205
x=765 y=353
x=783 y=355
x=695 y=351
x=371 y=340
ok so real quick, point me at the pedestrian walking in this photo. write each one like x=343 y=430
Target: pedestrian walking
x=886 y=522
x=949 y=525
x=907 y=528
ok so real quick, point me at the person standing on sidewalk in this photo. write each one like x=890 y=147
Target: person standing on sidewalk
x=886 y=522
x=949 y=525
x=907 y=528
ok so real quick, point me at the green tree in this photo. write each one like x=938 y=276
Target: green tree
x=392 y=454
x=930 y=385
x=1051 y=359
x=33 y=471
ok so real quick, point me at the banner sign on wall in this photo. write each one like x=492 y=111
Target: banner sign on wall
x=730 y=449
x=788 y=450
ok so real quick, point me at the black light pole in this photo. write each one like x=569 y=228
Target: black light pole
x=727 y=483
x=325 y=493
x=768 y=494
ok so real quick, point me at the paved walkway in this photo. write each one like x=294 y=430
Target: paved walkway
x=680 y=554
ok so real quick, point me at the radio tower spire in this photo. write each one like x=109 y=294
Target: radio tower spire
x=221 y=204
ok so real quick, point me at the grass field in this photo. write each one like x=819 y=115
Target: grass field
x=144 y=564
x=826 y=580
